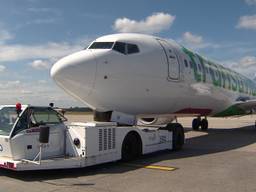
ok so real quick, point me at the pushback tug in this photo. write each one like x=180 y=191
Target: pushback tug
x=37 y=138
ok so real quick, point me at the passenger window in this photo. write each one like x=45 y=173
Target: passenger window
x=131 y=48
x=217 y=73
x=119 y=47
x=191 y=64
x=199 y=67
x=186 y=63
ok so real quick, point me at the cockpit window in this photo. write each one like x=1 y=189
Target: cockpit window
x=126 y=48
x=101 y=45
x=131 y=48
x=120 y=47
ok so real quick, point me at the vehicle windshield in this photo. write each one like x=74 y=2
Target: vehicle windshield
x=8 y=116
x=42 y=116
x=36 y=116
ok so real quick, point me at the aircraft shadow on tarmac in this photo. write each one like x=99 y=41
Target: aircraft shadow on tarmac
x=216 y=140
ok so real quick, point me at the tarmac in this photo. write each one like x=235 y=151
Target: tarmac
x=221 y=159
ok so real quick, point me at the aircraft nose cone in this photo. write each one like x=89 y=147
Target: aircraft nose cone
x=75 y=73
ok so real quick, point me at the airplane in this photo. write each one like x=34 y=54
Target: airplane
x=134 y=79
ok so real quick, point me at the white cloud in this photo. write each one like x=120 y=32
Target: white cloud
x=5 y=35
x=247 y=22
x=29 y=90
x=41 y=21
x=26 y=92
x=251 y=2
x=42 y=81
x=34 y=93
x=40 y=64
x=2 y=68
x=152 y=24
x=194 y=41
x=16 y=52
x=46 y=10
x=9 y=84
x=246 y=62
x=188 y=37
x=245 y=65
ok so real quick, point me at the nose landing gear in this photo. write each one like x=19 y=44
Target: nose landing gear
x=198 y=122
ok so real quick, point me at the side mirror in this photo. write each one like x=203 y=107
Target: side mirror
x=44 y=134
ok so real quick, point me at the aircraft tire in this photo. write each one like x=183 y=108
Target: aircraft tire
x=196 y=124
x=131 y=147
x=204 y=124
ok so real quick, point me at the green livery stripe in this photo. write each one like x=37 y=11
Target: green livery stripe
x=233 y=110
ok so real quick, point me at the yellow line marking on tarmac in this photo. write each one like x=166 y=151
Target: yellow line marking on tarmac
x=155 y=167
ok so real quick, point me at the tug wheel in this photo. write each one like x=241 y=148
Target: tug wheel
x=178 y=136
x=131 y=147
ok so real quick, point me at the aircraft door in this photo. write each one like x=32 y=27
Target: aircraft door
x=172 y=61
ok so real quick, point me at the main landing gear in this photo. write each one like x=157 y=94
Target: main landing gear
x=198 y=122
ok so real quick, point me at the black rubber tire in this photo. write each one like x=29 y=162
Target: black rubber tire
x=131 y=147
x=204 y=124
x=178 y=136
x=196 y=124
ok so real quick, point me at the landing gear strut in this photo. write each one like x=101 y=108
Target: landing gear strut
x=198 y=122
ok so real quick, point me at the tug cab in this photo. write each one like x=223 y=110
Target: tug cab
x=20 y=128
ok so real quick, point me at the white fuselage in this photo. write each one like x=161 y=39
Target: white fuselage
x=162 y=78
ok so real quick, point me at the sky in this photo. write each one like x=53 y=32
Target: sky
x=36 y=33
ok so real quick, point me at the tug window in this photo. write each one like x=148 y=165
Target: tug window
x=22 y=124
x=8 y=116
x=42 y=116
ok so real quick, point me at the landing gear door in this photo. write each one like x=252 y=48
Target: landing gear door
x=171 y=60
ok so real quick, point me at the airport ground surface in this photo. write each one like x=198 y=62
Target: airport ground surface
x=222 y=159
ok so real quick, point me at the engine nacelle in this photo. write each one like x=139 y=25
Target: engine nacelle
x=155 y=120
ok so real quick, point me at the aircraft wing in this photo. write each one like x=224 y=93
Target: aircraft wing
x=247 y=105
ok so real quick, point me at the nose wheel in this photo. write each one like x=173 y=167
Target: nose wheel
x=198 y=122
